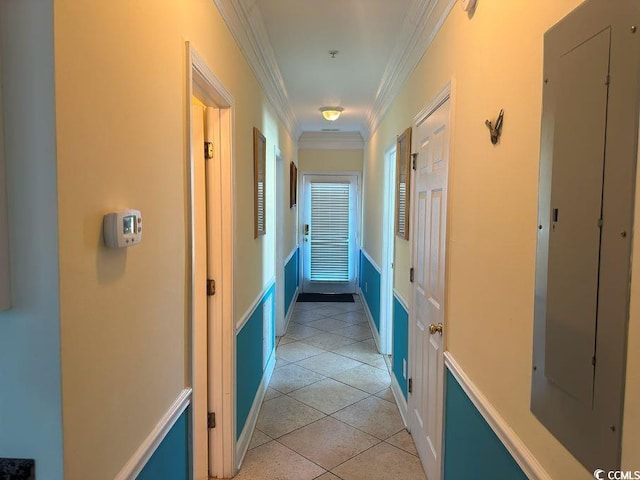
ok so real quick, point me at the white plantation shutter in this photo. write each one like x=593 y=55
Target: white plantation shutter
x=330 y=232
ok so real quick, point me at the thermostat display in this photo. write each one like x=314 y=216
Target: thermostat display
x=122 y=229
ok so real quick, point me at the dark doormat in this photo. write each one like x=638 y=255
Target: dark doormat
x=325 y=297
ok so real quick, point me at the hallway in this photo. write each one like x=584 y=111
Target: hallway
x=329 y=412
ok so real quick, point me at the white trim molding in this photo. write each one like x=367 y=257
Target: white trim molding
x=245 y=318
x=290 y=256
x=422 y=23
x=331 y=141
x=400 y=400
x=401 y=299
x=145 y=451
x=250 y=424
x=246 y=24
x=514 y=445
x=371 y=261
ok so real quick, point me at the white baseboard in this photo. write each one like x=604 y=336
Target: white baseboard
x=287 y=317
x=400 y=401
x=515 y=446
x=247 y=432
x=374 y=330
x=144 y=452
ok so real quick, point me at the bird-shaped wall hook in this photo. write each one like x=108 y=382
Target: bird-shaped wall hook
x=497 y=130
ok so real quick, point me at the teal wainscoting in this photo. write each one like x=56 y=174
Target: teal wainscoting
x=291 y=280
x=170 y=461
x=472 y=449
x=370 y=287
x=249 y=368
x=400 y=343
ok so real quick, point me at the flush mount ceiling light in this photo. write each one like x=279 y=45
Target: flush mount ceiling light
x=331 y=113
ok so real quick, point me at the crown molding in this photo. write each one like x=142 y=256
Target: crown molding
x=421 y=25
x=244 y=19
x=331 y=141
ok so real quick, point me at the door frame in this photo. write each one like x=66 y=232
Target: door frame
x=302 y=209
x=388 y=251
x=212 y=354
x=280 y=307
x=446 y=93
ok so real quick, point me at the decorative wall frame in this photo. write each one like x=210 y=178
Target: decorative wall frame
x=259 y=182
x=293 y=185
x=403 y=183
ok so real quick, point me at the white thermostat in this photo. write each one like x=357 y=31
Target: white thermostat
x=122 y=229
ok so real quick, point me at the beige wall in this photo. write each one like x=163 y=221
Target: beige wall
x=330 y=161
x=496 y=61
x=121 y=141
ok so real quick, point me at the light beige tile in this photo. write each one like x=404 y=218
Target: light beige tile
x=387 y=395
x=328 y=396
x=404 y=441
x=273 y=461
x=380 y=363
x=328 y=341
x=280 y=362
x=328 y=476
x=373 y=415
x=306 y=316
x=364 y=377
x=382 y=462
x=328 y=324
x=271 y=393
x=286 y=339
x=353 y=317
x=335 y=308
x=292 y=377
x=329 y=363
x=295 y=351
x=300 y=331
x=363 y=352
x=283 y=415
x=357 y=332
x=328 y=442
x=305 y=306
x=259 y=438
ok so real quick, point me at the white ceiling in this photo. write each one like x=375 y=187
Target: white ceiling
x=302 y=33
x=287 y=43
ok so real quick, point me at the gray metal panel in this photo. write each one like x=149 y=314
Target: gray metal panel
x=589 y=429
x=579 y=78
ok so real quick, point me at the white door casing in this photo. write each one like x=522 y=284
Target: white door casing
x=431 y=141
x=212 y=218
x=329 y=244
x=388 y=250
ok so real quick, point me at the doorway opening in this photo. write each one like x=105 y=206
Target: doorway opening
x=388 y=250
x=210 y=258
x=330 y=221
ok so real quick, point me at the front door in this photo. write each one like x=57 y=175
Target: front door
x=428 y=232
x=329 y=233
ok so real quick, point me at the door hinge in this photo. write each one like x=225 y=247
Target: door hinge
x=600 y=222
x=593 y=361
x=211 y=420
x=411 y=274
x=414 y=157
x=208 y=150
x=410 y=385
x=607 y=80
x=211 y=287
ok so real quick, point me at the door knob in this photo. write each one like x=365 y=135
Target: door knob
x=433 y=329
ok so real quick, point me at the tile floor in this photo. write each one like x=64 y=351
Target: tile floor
x=329 y=412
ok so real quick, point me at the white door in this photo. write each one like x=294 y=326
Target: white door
x=429 y=207
x=329 y=239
